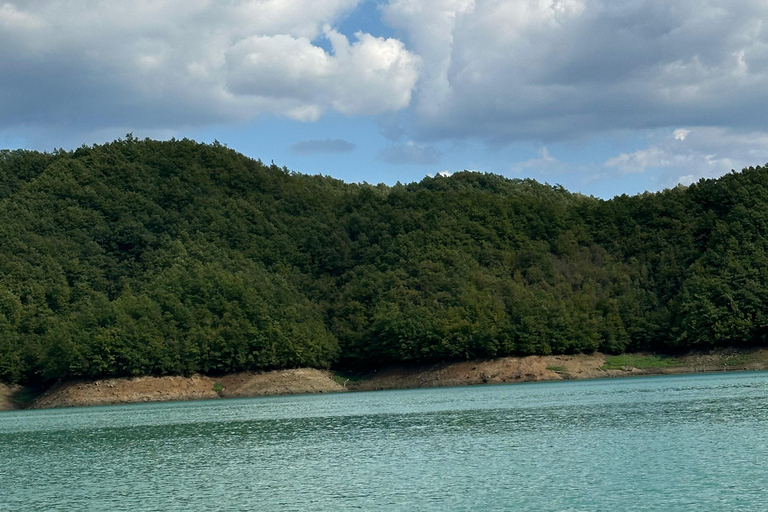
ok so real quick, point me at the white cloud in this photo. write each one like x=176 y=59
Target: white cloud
x=702 y=152
x=504 y=70
x=545 y=162
x=12 y=19
x=497 y=71
x=447 y=174
x=640 y=160
x=442 y=174
x=165 y=63
x=430 y=25
x=372 y=75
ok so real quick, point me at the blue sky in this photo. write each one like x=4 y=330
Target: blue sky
x=602 y=96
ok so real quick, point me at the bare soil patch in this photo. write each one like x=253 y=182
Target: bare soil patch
x=539 y=368
x=308 y=380
x=279 y=382
x=116 y=391
x=196 y=387
x=487 y=371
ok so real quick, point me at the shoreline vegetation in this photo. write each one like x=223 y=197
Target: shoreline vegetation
x=81 y=393
x=125 y=264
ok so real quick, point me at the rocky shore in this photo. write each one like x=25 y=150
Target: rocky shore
x=308 y=380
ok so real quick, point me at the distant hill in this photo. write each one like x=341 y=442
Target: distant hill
x=142 y=257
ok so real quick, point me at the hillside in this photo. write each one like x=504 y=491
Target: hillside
x=142 y=257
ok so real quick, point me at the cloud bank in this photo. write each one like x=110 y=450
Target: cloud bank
x=685 y=155
x=169 y=63
x=494 y=71
x=502 y=70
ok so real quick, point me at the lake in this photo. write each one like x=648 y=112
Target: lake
x=674 y=443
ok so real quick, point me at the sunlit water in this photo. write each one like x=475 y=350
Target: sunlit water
x=686 y=443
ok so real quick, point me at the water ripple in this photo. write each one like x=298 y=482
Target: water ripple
x=686 y=443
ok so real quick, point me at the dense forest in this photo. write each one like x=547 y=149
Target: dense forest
x=142 y=257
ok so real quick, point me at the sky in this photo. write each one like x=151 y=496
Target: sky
x=604 y=97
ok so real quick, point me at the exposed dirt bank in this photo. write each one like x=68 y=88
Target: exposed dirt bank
x=197 y=387
x=492 y=371
x=306 y=380
x=283 y=382
x=538 y=368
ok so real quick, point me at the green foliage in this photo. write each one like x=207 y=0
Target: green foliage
x=639 y=361
x=142 y=257
x=344 y=378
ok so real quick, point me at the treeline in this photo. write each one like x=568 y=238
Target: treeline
x=144 y=257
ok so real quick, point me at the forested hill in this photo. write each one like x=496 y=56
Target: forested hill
x=146 y=257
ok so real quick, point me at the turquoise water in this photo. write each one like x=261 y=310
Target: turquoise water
x=683 y=443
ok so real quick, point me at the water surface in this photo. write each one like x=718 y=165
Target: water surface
x=679 y=443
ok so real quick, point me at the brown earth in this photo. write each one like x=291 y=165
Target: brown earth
x=538 y=368
x=197 y=387
x=491 y=371
x=115 y=391
x=281 y=382
x=307 y=380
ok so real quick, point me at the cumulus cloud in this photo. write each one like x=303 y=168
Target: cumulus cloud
x=410 y=153
x=502 y=70
x=641 y=159
x=497 y=71
x=700 y=152
x=545 y=162
x=166 y=63
x=314 y=146
x=372 y=75
x=430 y=25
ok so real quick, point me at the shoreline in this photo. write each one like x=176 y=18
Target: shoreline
x=308 y=380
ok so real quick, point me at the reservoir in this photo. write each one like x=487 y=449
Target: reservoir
x=673 y=443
